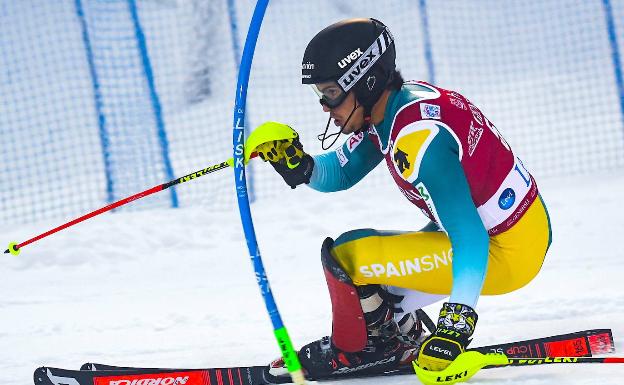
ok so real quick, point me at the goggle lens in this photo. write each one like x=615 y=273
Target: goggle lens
x=329 y=94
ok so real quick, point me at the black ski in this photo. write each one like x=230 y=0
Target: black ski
x=578 y=344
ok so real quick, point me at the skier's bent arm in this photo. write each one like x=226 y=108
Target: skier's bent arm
x=334 y=171
x=443 y=179
x=341 y=169
x=327 y=175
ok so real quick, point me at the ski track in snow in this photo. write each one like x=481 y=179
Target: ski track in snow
x=175 y=288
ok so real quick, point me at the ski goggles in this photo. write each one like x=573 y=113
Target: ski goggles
x=330 y=94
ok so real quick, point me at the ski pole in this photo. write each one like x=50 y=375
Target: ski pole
x=469 y=363
x=261 y=135
x=14 y=248
x=238 y=133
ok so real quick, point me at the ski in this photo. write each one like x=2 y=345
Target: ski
x=578 y=344
x=584 y=343
x=250 y=375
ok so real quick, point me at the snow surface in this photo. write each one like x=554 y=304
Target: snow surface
x=175 y=287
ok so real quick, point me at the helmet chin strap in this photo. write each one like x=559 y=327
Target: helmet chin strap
x=323 y=137
x=366 y=124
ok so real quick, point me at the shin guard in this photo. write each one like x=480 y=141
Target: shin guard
x=359 y=314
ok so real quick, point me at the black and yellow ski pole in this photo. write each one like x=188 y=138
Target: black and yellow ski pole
x=261 y=135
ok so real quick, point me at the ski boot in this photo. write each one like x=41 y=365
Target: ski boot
x=389 y=344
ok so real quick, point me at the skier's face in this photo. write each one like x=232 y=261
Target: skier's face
x=341 y=113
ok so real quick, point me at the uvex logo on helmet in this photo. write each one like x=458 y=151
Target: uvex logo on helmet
x=350 y=57
x=357 y=70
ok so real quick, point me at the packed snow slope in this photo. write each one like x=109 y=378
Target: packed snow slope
x=175 y=287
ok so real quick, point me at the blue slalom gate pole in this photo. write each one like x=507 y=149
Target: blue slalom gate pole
x=281 y=334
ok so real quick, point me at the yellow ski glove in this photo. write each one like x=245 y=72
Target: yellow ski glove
x=287 y=157
x=455 y=327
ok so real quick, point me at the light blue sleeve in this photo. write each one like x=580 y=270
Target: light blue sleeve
x=341 y=169
x=443 y=176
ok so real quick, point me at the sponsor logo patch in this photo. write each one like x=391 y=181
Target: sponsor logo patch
x=429 y=111
x=476 y=114
x=473 y=137
x=350 y=57
x=350 y=78
x=411 y=195
x=409 y=147
x=507 y=199
x=370 y=82
x=342 y=158
x=440 y=350
x=600 y=343
x=354 y=141
x=401 y=161
x=406 y=150
x=407 y=267
x=178 y=378
x=365 y=366
x=549 y=360
x=453 y=378
x=458 y=103
x=426 y=196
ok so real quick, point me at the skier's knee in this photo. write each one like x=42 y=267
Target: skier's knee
x=354 y=235
x=353 y=246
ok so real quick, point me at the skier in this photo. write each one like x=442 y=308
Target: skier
x=489 y=229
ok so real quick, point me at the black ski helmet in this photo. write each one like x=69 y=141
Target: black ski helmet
x=358 y=54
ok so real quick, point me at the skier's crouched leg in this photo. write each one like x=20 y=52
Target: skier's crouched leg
x=365 y=336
